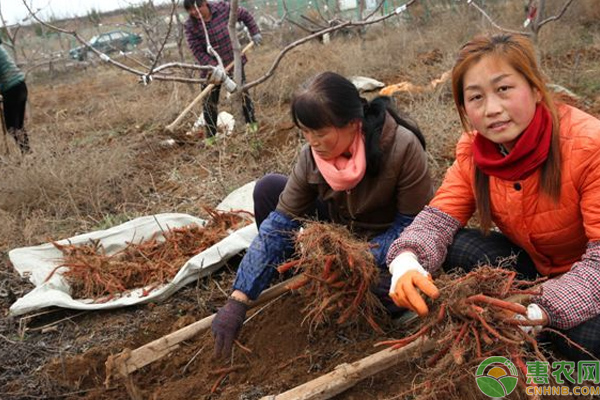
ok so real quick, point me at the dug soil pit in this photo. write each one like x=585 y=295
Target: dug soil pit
x=280 y=354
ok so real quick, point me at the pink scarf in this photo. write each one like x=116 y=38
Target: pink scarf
x=344 y=173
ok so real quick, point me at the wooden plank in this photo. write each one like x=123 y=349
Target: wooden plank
x=344 y=376
x=129 y=361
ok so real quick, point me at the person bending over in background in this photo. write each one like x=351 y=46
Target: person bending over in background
x=528 y=166
x=216 y=18
x=14 y=94
x=364 y=167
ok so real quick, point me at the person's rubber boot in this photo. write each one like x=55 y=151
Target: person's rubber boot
x=210 y=141
x=23 y=141
x=252 y=127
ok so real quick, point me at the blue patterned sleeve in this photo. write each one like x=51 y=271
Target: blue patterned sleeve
x=273 y=245
x=381 y=243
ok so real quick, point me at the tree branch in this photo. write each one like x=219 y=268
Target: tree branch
x=12 y=35
x=379 y=5
x=111 y=61
x=557 y=16
x=305 y=39
x=164 y=42
x=287 y=17
x=152 y=71
x=473 y=4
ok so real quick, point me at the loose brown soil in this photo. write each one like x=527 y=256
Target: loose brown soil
x=283 y=354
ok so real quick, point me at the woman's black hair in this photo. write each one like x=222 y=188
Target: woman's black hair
x=329 y=99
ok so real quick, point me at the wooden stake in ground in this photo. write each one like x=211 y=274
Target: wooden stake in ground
x=345 y=376
x=173 y=125
x=128 y=361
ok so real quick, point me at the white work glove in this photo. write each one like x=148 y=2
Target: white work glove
x=534 y=313
x=217 y=76
x=407 y=276
x=257 y=39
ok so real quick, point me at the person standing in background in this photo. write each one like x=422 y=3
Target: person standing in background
x=14 y=95
x=216 y=18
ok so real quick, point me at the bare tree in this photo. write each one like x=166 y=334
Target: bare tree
x=534 y=20
x=142 y=74
x=147 y=17
x=540 y=18
x=237 y=56
x=148 y=73
x=10 y=34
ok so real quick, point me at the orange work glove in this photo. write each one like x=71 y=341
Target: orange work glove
x=407 y=276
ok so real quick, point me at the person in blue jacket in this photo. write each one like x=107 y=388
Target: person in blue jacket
x=364 y=166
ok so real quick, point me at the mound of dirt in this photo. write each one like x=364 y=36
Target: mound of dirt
x=280 y=353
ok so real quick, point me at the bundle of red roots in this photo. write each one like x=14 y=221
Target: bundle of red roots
x=93 y=274
x=338 y=272
x=473 y=319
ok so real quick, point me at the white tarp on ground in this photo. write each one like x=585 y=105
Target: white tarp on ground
x=37 y=262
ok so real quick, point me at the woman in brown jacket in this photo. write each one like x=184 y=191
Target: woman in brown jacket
x=364 y=167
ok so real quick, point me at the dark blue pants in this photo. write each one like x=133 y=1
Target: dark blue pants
x=15 y=101
x=471 y=248
x=266 y=196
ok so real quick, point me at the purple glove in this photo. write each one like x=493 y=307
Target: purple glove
x=227 y=326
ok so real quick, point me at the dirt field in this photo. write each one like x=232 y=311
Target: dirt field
x=98 y=160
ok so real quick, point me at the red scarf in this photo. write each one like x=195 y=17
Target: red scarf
x=529 y=152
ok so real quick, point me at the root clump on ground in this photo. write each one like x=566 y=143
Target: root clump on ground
x=93 y=274
x=473 y=319
x=338 y=271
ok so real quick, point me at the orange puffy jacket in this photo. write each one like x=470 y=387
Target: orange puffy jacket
x=554 y=235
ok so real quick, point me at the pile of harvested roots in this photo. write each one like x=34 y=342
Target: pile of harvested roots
x=92 y=274
x=338 y=271
x=473 y=319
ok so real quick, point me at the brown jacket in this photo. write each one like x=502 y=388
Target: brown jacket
x=403 y=185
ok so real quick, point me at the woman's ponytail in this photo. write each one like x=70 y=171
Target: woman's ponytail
x=374 y=119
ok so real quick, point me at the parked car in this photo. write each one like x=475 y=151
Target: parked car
x=108 y=42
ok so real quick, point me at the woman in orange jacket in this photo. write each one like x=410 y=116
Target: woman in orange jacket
x=530 y=167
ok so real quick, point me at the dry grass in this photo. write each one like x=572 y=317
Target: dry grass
x=60 y=181
x=64 y=180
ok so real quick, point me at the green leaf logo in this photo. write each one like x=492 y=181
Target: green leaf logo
x=496 y=376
